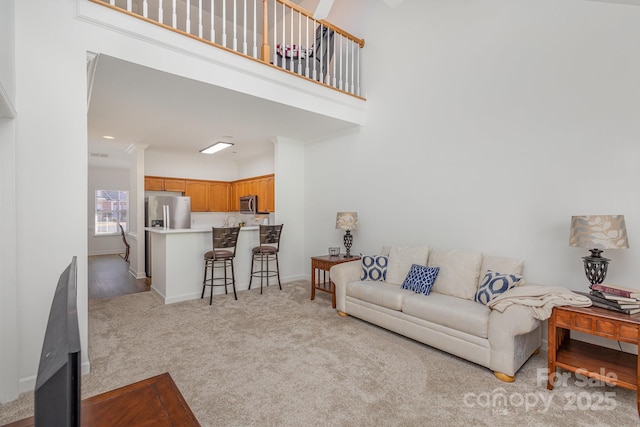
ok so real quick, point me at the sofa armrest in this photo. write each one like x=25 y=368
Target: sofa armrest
x=341 y=274
x=514 y=335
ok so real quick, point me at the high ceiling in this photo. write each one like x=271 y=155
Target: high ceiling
x=172 y=114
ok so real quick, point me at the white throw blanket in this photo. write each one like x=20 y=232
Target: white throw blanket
x=540 y=299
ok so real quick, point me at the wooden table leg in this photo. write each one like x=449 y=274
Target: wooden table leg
x=313 y=282
x=333 y=304
x=551 y=351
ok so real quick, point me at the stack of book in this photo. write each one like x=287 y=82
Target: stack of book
x=614 y=297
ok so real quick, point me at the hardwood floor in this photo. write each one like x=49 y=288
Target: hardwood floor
x=109 y=277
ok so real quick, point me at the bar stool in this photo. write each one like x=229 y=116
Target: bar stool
x=265 y=253
x=221 y=257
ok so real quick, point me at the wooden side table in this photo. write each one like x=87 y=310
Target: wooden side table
x=604 y=364
x=320 y=266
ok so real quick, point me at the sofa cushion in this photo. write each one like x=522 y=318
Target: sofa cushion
x=420 y=278
x=494 y=284
x=459 y=271
x=456 y=313
x=400 y=260
x=374 y=267
x=378 y=293
x=501 y=264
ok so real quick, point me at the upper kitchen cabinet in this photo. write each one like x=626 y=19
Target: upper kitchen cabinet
x=265 y=191
x=157 y=183
x=219 y=195
x=199 y=193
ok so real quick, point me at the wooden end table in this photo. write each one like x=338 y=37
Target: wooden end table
x=320 y=266
x=593 y=361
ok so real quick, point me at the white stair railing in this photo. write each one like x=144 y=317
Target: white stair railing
x=289 y=37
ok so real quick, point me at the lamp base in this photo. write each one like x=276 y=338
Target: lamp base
x=348 y=241
x=595 y=266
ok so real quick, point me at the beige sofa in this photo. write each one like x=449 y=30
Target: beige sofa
x=448 y=318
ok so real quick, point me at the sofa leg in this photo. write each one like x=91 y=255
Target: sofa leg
x=504 y=377
x=536 y=352
x=342 y=314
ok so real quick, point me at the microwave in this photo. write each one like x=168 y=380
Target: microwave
x=249 y=204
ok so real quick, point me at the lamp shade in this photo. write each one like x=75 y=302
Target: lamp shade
x=347 y=221
x=598 y=232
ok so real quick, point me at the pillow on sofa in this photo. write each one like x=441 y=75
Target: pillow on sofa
x=459 y=271
x=494 y=284
x=400 y=260
x=420 y=278
x=501 y=264
x=374 y=267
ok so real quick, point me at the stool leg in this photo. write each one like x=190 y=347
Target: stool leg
x=211 y=295
x=224 y=264
x=253 y=260
x=278 y=271
x=233 y=281
x=262 y=272
x=204 y=279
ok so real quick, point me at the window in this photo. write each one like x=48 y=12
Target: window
x=111 y=209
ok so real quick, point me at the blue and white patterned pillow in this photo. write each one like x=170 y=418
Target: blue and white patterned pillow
x=374 y=267
x=494 y=284
x=420 y=278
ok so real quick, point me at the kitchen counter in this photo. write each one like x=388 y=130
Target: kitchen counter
x=177 y=262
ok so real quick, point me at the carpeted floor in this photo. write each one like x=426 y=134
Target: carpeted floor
x=279 y=359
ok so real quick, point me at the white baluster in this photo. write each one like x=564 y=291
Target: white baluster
x=255 y=30
x=188 y=18
x=306 y=69
x=293 y=53
x=224 y=23
x=200 y=28
x=212 y=23
x=299 y=43
x=112 y=2
x=235 y=27
x=315 y=50
x=283 y=42
x=244 y=36
x=358 y=71
x=275 y=33
x=174 y=19
x=129 y=5
x=145 y=9
x=335 y=60
x=160 y=12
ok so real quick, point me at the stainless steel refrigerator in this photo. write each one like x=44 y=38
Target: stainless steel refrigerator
x=166 y=212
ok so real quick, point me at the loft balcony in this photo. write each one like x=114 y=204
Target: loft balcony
x=276 y=33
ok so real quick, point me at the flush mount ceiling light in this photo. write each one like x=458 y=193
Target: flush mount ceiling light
x=220 y=145
x=108 y=137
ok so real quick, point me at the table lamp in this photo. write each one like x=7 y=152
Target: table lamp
x=598 y=232
x=347 y=221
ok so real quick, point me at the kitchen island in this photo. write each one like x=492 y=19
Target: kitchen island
x=177 y=262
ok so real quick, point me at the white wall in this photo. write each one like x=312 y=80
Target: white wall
x=51 y=171
x=263 y=165
x=489 y=124
x=51 y=143
x=184 y=166
x=8 y=271
x=104 y=179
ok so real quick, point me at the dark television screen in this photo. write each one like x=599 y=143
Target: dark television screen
x=57 y=394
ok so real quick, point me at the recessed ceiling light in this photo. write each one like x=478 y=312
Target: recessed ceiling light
x=108 y=137
x=220 y=145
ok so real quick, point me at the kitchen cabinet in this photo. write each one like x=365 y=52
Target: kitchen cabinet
x=219 y=194
x=173 y=184
x=152 y=183
x=265 y=192
x=158 y=183
x=199 y=193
